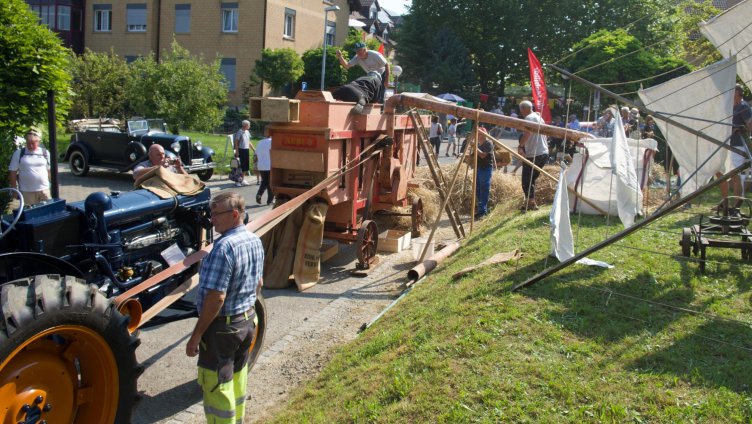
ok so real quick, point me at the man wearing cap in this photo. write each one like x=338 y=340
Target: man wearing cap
x=633 y=125
x=369 y=60
x=29 y=171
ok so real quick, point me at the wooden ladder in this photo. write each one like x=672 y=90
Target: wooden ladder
x=437 y=174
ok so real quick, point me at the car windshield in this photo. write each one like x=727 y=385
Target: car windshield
x=140 y=125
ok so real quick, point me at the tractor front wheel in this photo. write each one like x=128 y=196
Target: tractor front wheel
x=65 y=354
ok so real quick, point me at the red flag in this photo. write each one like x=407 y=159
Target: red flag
x=381 y=48
x=538 y=84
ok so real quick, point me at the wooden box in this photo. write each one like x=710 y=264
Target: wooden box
x=394 y=241
x=274 y=109
x=329 y=248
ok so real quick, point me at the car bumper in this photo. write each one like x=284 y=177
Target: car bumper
x=201 y=167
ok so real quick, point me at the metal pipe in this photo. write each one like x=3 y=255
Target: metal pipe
x=487 y=117
x=429 y=264
x=52 y=139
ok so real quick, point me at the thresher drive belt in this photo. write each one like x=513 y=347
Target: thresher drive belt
x=260 y=226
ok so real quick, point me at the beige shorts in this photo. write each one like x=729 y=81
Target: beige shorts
x=30 y=198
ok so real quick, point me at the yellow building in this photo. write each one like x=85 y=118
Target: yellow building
x=236 y=31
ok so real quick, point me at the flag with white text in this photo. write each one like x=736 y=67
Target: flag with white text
x=538 y=84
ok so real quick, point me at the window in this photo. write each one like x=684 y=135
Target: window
x=102 y=17
x=182 y=18
x=289 y=30
x=46 y=15
x=227 y=67
x=130 y=58
x=331 y=32
x=229 y=17
x=64 y=18
x=136 y=17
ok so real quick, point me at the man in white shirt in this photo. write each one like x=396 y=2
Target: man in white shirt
x=534 y=147
x=264 y=164
x=243 y=146
x=369 y=60
x=29 y=171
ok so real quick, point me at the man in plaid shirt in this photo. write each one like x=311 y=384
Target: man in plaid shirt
x=229 y=282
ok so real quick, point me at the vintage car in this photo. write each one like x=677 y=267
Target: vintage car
x=122 y=150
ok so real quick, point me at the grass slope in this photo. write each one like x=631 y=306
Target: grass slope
x=585 y=345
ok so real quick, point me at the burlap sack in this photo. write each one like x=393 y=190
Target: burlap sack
x=280 y=251
x=308 y=251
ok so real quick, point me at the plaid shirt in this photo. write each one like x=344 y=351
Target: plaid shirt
x=234 y=266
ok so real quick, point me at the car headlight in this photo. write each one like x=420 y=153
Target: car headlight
x=175 y=147
x=198 y=145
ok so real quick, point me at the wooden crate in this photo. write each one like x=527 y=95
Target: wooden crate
x=394 y=241
x=329 y=248
x=274 y=109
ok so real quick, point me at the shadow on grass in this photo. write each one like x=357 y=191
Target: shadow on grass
x=715 y=353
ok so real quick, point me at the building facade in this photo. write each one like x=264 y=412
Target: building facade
x=234 y=30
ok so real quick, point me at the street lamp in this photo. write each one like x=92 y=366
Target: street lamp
x=396 y=71
x=323 y=57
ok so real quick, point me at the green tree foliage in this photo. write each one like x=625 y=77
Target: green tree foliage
x=99 y=82
x=497 y=33
x=697 y=48
x=617 y=57
x=278 y=67
x=335 y=74
x=182 y=89
x=34 y=61
x=451 y=70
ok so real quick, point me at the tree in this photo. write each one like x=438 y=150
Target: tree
x=99 y=82
x=617 y=57
x=182 y=89
x=697 y=48
x=34 y=61
x=336 y=75
x=497 y=33
x=278 y=67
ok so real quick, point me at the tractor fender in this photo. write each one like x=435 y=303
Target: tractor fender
x=27 y=264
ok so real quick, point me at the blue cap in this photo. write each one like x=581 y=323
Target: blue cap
x=360 y=45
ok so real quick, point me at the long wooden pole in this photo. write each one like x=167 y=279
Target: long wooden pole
x=524 y=159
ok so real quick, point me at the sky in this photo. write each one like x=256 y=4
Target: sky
x=398 y=7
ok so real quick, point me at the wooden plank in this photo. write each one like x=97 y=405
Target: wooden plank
x=274 y=109
x=300 y=161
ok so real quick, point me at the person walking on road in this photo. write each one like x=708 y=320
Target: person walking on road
x=434 y=134
x=533 y=147
x=29 y=171
x=263 y=153
x=242 y=144
x=230 y=279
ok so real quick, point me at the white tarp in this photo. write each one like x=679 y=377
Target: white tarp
x=704 y=101
x=596 y=182
x=731 y=33
x=628 y=193
x=562 y=242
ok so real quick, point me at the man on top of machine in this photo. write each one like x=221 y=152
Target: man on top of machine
x=370 y=61
x=361 y=91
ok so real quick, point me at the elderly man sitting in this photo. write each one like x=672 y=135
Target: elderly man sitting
x=157 y=157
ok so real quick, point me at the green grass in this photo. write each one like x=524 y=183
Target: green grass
x=584 y=345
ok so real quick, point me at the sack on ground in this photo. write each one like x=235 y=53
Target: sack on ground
x=308 y=251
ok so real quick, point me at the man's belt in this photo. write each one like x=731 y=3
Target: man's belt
x=230 y=318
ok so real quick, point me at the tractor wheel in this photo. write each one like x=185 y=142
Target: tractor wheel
x=206 y=174
x=65 y=354
x=416 y=217
x=79 y=165
x=686 y=242
x=260 y=332
x=367 y=243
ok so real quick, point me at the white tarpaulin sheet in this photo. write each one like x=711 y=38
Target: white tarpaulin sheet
x=596 y=183
x=704 y=99
x=562 y=242
x=731 y=33
x=628 y=193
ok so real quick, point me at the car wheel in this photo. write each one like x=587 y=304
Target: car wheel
x=79 y=165
x=206 y=174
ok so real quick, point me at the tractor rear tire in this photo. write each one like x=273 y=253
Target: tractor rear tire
x=66 y=355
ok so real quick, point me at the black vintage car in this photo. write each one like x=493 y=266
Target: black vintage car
x=122 y=150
